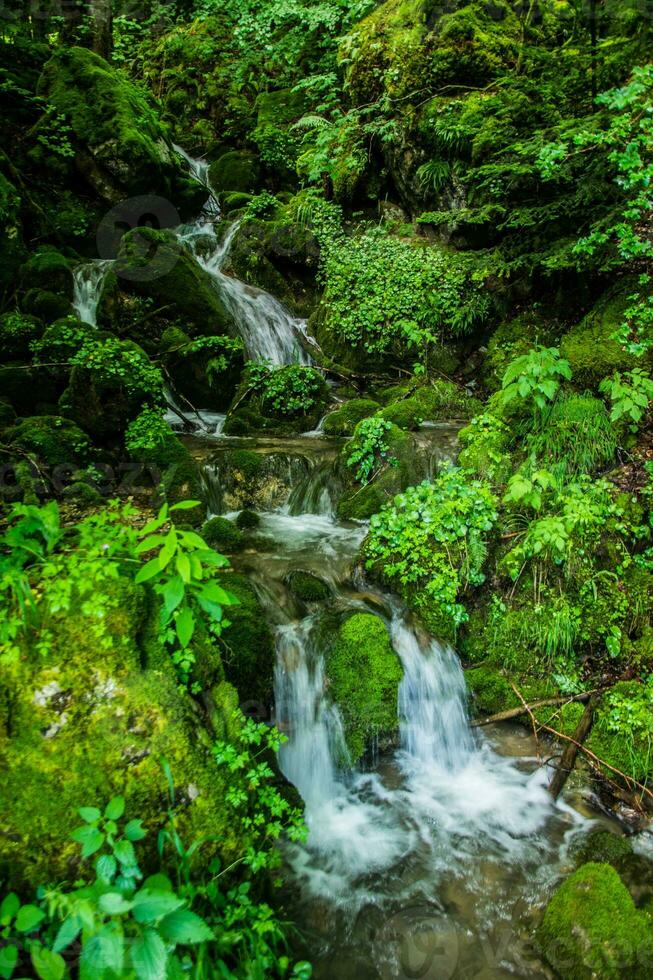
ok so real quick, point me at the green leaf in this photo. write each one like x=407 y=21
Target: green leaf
x=115 y=808
x=173 y=593
x=90 y=838
x=149 y=956
x=185 y=626
x=185 y=505
x=184 y=927
x=48 y=965
x=68 y=933
x=9 y=907
x=151 y=904
x=124 y=851
x=90 y=814
x=134 y=830
x=8 y=960
x=113 y=903
x=183 y=566
x=148 y=571
x=29 y=917
x=106 y=867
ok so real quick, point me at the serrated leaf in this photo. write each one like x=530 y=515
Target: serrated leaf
x=8 y=960
x=124 y=852
x=149 y=956
x=115 y=808
x=106 y=867
x=113 y=903
x=184 y=926
x=151 y=904
x=173 y=593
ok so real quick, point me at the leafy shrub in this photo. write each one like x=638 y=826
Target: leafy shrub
x=293 y=390
x=534 y=379
x=369 y=449
x=432 y=538
x=577 y=437
x=630 y=395
x=388 y=296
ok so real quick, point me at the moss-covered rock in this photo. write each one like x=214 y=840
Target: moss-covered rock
x=281 y=256
x=45 y=305
x=591 y=928
x=156 y=282
x=601 y=847
x=48 y=269
x=364 y=674
x=207 y=370
x=403 y=467
x=490 y=690
x=248 y=643
x=12 y=249
x=511 y=339
x=247 y=520
x=121 y=147
x=109 y=387
x=236 y=170
x=166 y=462
x=223 y=535
x=277 y=143
x=17 y=332
x=283 y=400
x=344 y=420
x=590 y=347
x=439 y=401
x=93 y=711
x=50 y=439
x=307 y=587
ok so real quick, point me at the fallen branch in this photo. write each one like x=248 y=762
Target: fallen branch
x=595 y=761
x=517 y=712
x=570 y=754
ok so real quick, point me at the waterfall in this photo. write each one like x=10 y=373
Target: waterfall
x=316 y=493
x=270 y=332
x=198 y=169
x=434 y=726
x=88 y=281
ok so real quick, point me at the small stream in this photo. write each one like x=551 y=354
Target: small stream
x=433 y=859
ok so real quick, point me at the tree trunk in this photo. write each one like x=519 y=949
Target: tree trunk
x=101 y=27
x=570 y=753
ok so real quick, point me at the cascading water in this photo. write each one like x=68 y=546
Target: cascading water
x=88 y=282
x=270 y=332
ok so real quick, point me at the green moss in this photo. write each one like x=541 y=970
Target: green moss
x=48 y=269
x=283 y=401
x=153 y=265
x=591 y=928
x=247 y=520
x=51 y=439
x=436 y=402
x=490 y=690
x=17 y=332
x=236 y=170
x=278 y=144
x=510 y=340
x=601 y=847
x=7 y=414
x=360 y=502
x=249 y=649
x=364 y=674
x=590 y=348
x=307 y=587
x=45 y=305
x=127 y=148
x=223 y=535
x=344 y=420
x=90 y=722
x=206 y=371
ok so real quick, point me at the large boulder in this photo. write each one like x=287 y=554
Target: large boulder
x=592 y=928
x=121 y=146
x=157 y=282
x=205 y=371
x=402 y=466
